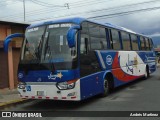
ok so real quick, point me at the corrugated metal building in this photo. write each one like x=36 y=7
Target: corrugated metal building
x=9 y=61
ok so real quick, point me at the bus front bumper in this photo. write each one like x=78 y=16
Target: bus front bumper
x=49 y=90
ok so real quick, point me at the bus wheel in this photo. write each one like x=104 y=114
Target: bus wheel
x=146 y=75
x=105 y=88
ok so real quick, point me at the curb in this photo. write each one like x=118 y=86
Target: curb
x=12 y=102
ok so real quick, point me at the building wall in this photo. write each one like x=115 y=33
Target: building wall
x=17 y=29
x=5 y=30
x=4 y=79
x=17 y=43
x=16 y=55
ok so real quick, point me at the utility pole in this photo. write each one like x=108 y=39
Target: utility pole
x=24 y=9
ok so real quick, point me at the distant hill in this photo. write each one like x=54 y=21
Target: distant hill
x=156 y=41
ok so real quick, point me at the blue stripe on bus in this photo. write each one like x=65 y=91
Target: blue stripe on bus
x=45 y=76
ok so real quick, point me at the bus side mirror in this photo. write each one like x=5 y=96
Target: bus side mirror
x=71 y=35
x=9 y=38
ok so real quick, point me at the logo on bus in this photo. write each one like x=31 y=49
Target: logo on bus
x=53 y=77
x=20 y=75
x=109 y=60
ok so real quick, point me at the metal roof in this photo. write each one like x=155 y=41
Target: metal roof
x=14 y=22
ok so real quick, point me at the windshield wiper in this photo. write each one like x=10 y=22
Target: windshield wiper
x=48 y=51
x=47 y=48
x=38 y=49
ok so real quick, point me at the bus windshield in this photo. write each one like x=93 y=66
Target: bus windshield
x=56 y=47
x=48 y=46
x=32 y=44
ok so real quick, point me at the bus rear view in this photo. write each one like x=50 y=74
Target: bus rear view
x=48 y=66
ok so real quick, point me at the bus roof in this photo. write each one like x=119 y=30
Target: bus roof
x=76 y=20
x=79 y=20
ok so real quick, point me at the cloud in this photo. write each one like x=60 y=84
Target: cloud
x=142 y=22
x=155 y=34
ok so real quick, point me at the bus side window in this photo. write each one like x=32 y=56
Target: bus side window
x=147 y=44
x=150 y=44
x=134 y=42
x=115 y=41
x=97 y=37
x=142 y=43
x=103 y=39
x=84 y=46
x=125 y=41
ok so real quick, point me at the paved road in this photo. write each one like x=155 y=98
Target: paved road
x=137 y=96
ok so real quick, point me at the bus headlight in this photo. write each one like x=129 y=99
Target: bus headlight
x=21 y=85
x=66 y=85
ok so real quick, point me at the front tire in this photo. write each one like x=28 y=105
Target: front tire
x=105 y=88
x=146 y=75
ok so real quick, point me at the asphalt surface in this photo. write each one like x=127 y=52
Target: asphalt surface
x=140 y=95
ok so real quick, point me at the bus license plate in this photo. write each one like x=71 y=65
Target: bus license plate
x=40 y=93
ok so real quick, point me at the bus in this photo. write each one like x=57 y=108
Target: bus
x=75 y=58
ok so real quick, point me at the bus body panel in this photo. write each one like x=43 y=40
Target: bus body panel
x=92 y=85
x=127 y=66
x=149 y=58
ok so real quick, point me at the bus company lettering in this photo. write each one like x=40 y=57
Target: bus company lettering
x=53 y=77
x=133 y=62
x=109 y=60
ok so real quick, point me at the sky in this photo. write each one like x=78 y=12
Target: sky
x=142 y=16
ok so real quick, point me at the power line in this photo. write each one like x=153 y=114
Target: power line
x=39 y=13
x=124 y=13
x=45 y=4
x=71 y=4
x=98 y=10
x=71 y=8
x=1 y=5
x=108 y=9
x=31 y=12
x=88 y=12
x=4 y=1
x=111 y=15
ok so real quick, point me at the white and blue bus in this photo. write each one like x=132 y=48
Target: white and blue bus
x=74 y=59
